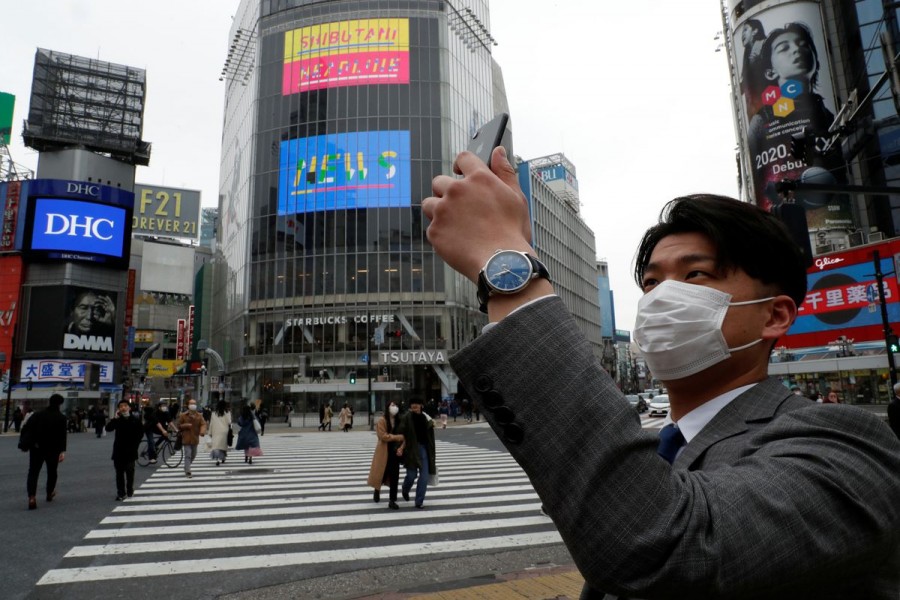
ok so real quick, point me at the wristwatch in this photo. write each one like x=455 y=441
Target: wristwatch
x=508 y=272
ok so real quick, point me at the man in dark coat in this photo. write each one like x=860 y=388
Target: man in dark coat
x=44 y=438
x=129 y=432
x=417 y=429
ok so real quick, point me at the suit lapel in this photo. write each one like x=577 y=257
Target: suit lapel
x=758 y=404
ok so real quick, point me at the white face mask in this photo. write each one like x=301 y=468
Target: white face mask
x=679 y=328
x=192 y=407
x=393 y=410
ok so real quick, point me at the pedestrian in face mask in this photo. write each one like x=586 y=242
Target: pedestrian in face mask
x=386 y=460
x=192 y=427
x=748 y=460
x=129 y=432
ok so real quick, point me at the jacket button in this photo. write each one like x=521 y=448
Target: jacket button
x=514 y=433
x=492 y=399
x=504 y=415
x=483 y=383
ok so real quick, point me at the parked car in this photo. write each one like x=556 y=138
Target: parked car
x=659 y=405
x=638 y=402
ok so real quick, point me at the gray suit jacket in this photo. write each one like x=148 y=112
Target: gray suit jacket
x=777 y=497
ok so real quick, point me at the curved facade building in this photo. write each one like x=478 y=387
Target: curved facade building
x=338 y=115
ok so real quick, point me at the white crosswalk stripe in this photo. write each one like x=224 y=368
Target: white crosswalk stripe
x=305 y=502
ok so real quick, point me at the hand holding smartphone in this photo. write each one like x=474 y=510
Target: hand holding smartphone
x=492 y=134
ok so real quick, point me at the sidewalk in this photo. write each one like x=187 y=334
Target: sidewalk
x=552 y=583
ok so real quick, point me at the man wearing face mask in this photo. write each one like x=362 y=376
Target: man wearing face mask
x=129 y=432
x=192 y=427
x=746 y=475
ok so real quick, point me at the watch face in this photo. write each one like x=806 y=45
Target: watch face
x=508 y=271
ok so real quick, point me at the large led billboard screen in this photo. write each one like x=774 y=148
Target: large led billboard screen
x=843 y=297
x=345 y=171
x=69 y=318
x=77 y=221
x=786 y=84
x=7 y=104
x=345 y=53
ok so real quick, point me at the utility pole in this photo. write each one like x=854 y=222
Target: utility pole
x=889 y=338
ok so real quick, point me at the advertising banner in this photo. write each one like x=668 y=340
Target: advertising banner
x=158 y=367
x=368 y=169
x=50 y=370
x=7 y=104
x=189 y=332
x=843 y=297
x=71 y=318
x=165 y=212
x=10 y=284
x=786 y=83
x=9 y=219
x=128 y=341
x=179 y=341
x=346 y=53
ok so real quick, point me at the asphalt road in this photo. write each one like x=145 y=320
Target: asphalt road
x=36 y=542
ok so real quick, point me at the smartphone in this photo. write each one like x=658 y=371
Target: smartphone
x=492 y=134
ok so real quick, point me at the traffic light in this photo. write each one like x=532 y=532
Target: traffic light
x=352 y=377
x=28 y=385
x=893 y=344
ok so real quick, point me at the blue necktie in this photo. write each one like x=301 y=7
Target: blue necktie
x=670 y=442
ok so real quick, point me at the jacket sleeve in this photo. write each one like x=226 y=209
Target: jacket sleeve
x=634 y=524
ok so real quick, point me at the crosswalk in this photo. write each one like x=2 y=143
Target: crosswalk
x=306 y=503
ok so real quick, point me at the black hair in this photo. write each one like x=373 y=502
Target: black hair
x=57 y=400
x=416 y=400
x=759 y=32
x=220 y=408
x=804 y=32
x=745 y=237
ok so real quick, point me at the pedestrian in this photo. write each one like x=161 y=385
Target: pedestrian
x=327 y=414
x=43 y=436
x=417 y=429
x=893 y=411
x=153 y=427
x=99 y=421
x=262 y=415
x=219 y=428
x=191 y=427
x=444 y=412
x=129 y=432
x=386 y=460
x=17 y=419
x=289 y=409
x=344 y=417
x=248 y=435
x=352 y=412
x=744 y=475
x=322 y=416
x=831 y=397
x=164 y=416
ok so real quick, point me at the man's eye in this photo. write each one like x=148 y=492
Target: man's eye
x=648 y=284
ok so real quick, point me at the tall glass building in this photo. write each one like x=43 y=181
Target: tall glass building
x=338 y=114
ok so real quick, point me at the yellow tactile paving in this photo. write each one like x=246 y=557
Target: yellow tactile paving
x=547 y=587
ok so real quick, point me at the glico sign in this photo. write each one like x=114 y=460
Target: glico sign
x=78 y=221
x=843 y=297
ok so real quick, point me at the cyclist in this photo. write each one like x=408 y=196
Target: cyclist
x=152 y=426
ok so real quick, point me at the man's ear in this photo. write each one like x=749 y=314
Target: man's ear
x=783 y=315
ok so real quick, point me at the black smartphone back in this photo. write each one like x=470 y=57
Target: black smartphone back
x=492 y=134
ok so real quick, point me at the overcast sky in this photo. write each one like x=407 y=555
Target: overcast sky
x=633 y=93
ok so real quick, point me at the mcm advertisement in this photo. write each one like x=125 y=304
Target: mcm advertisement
x=786 y=86
x=69 y=318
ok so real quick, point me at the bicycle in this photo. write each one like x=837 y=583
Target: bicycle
x=165 y=449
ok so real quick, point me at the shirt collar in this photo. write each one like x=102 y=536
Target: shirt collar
x=693 y=423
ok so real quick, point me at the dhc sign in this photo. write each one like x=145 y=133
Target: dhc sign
x=76 y=226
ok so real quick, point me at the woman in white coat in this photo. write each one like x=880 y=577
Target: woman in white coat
x=219 y=426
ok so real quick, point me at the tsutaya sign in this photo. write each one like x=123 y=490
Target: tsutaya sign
x=412 y=357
